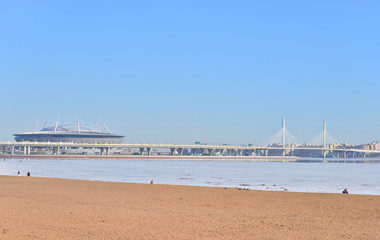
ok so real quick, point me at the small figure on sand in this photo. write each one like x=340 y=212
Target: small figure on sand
x=18 y=173
x=151 y=182
x=28 y=174
x=345 y=191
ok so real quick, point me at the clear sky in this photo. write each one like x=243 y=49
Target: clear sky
x=184 y=71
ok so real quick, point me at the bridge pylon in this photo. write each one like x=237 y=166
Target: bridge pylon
x=323 y=139
x=282 y=138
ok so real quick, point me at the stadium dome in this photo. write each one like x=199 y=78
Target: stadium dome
x=69 y=133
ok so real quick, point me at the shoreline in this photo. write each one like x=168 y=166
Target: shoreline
x=239 y=187
x=146 y=157
x=196 y=158
x=51 y=208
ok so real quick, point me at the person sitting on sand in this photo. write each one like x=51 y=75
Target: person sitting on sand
x=28 y=174
x=345 y=191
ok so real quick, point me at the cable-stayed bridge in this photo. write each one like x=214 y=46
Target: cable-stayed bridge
x=283 y=137
x=58 y=148
x=282 y=143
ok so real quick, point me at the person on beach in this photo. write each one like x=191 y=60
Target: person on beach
x=345 y=191
x=18 y=173
x=28 y=174
x=151 y=182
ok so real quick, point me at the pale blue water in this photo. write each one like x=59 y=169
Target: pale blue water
x=358 y=178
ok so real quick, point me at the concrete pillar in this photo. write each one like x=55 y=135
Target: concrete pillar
x=353 y=154
x=266 y=152
x=231 y=152
x=221 y=151
x=13 y=150
x=24 y=150
x=28 y=150
x=259 y=152
x=180 y=151
x=250 y=152
x=172 y=151
x=56 y=150
x=107 y=151
x=149 y=149
x=344 y=154
x=194 y=151
x=210 y=151
x=240 y=152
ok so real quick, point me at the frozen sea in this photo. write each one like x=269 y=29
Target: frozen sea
x=358 y=178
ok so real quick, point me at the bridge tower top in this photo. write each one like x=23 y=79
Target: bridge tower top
x=323 y=138
x=324 y=133
x=282 y=137
x=283 y=132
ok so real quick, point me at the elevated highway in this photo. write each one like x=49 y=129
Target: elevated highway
x=56 y=148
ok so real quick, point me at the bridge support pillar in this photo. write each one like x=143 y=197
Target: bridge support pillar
x=221 y=151
x=13 y=150
x=266 y=152
x=344 y=154
x=210 y=151
x=28 y=150
x=103 y=151
x=353 y=154
x=141 y=151
x=194 y=151
x=231 y=152
x=56 y=150
x=180 y=151
x=24 y=150
x=149 y=149
x=257 y=152
x=240 y=152
x=252 y=152
x=203 y=151
x=172 y=151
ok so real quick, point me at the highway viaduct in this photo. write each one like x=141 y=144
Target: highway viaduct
x=26 y=148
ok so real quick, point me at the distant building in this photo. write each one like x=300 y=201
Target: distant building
x=372 y=146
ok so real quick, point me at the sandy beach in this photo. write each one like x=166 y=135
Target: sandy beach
x=47 y=208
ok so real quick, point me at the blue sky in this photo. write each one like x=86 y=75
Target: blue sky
x=184 y=71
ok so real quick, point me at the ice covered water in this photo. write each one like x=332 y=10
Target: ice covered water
x=358 y=178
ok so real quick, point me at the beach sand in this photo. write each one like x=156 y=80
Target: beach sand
x=47 y=208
